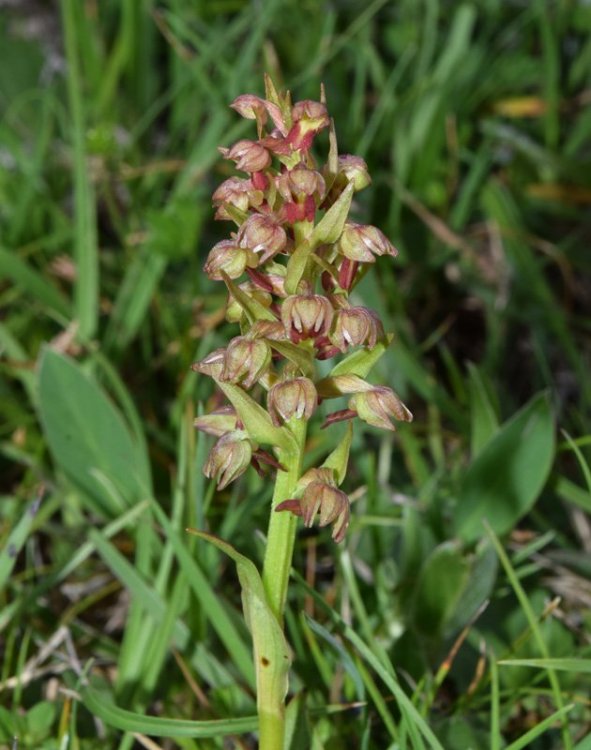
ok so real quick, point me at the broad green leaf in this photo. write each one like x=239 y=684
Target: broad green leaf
x=88 y=437
x=253 y=309
x=484 y=422
x=504 y=480
x=361 y=361
x=129 y=721
x=272 y=655
x=441 y=582
x=483 y=566
x=255 y=419
x=339 y=458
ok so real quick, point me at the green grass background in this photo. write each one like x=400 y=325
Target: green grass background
x=474 y=119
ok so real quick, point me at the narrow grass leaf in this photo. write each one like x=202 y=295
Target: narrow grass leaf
x=534 y=626
x=86 y=245
x=33 y=283
x=527 y=739
x=129 y=721
x=216 y=614
x=579 y=666
x=16 y=539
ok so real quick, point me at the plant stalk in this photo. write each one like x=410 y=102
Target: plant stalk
x=276 y=568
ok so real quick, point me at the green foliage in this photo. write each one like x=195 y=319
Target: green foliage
x=505 y=478
x=426 y=630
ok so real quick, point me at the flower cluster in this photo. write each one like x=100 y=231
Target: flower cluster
x=289 y=267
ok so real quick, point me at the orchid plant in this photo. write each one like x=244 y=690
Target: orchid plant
x=289 y=268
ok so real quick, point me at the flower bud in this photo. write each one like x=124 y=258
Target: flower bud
x=262 y=234
x=211 y=365
x=249 y=156
x=230 y=258
x=362 y=242
x=218 y=423
x=306 y=316
x=254 y=108
x=246 y=360
x=355 y=170
x=236 y=192
x=292 y=398
x=379 y=406
x=355 y=326
x=250 y=107
x=229 y=458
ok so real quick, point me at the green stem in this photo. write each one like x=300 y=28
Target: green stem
x=276 y=568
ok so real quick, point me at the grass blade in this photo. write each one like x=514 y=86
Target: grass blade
x=160 y=727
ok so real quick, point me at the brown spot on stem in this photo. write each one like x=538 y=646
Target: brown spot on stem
x=265 y=662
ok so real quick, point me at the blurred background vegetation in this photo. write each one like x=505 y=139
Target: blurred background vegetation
x=475 y=122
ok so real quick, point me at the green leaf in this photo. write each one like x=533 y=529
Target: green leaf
x=578 y=666
x=129 y=721
x=482 y=575
x=256 y=421
x=330 y=226
x=88 y=437
x=210 y=602
x=16 y=539
x=484 y=422
x=361 y=361
x=296 y=266
x=339 y=458
x=301 y=358
x=526 y=740
x=252 y=307
x=32 y=282
x=505 y=479
x=327 y=231
x=272 y=654
x=442 y=580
